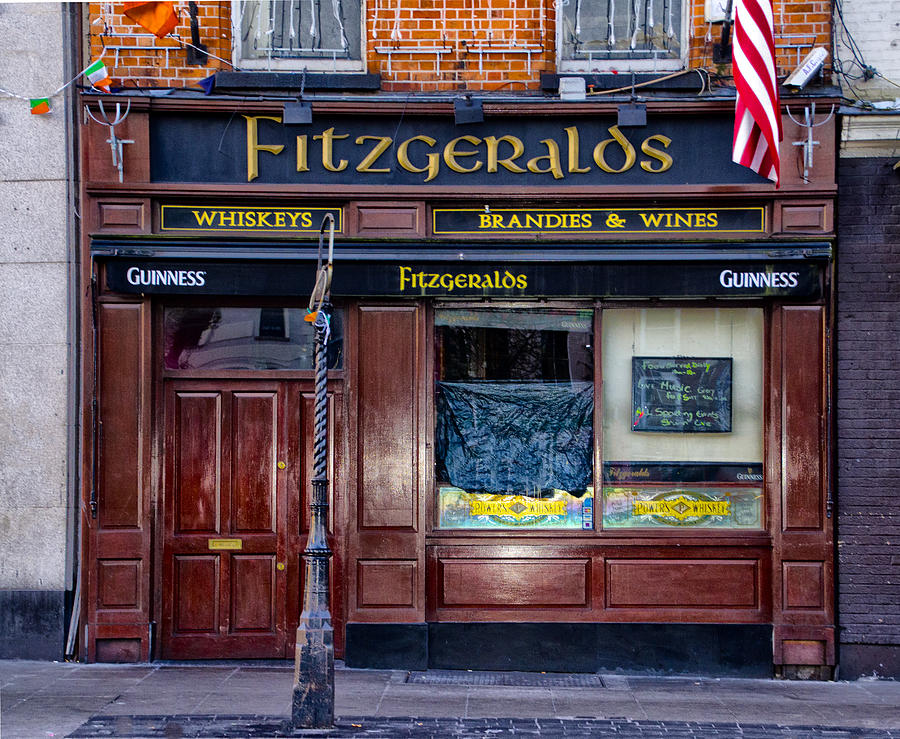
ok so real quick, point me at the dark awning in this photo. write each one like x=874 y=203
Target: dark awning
x=448 y=251
x=467 y=270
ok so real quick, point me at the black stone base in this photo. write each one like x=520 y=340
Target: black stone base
x=869 y=660
x=387 y=646
x=32 y=624
x=743 y=650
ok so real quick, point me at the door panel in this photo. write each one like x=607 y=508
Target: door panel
x=196 y=586
x=253 y=491
x=199 y=467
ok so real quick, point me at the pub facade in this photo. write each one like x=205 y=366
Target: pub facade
x=579 y=382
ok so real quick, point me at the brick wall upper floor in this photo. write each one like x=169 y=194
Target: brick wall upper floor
x=444 y=45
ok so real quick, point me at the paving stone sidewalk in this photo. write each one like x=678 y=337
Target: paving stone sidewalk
x=253 y=699
x=259 y=727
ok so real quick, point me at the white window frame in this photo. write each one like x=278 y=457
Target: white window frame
x=623 y=63
x=298 y=64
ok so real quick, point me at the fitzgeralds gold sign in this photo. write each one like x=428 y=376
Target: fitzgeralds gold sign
x=613 y=221
x=383 y=148
x=426 y=155
x=440 y=282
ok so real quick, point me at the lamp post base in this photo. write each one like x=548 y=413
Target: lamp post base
x=312 y=705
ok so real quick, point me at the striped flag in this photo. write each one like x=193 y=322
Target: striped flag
x=39 y=106
x=98 y=75
x=757 y=115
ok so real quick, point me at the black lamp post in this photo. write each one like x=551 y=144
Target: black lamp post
x=313 y=692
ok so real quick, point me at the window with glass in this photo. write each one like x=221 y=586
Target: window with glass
x=637 y=34
x=514 y=404
x=683 y=418
x=297 y=35
x=258 y=338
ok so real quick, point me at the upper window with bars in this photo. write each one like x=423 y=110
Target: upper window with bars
x=599 y=35
x=293 y=35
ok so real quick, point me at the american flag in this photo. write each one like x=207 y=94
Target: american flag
x=757 y=115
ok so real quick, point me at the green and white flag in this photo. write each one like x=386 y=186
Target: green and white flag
x=97 y=75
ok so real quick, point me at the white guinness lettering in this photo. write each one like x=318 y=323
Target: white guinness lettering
x=727 y=278
x=178 y=277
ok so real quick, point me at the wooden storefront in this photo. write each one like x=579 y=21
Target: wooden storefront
x=579 y=387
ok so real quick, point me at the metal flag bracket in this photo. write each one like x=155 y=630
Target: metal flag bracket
x=322 y=289
x=809 y=115
x=115 y=143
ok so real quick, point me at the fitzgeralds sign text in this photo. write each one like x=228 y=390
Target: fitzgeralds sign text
x=425 y=155
x=414 y=150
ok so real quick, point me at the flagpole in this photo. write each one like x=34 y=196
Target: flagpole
x=313 y=692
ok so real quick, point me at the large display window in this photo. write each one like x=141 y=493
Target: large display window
x=682 y=418
x=514 y=400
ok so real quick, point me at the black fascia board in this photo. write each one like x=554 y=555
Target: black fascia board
x=294 y=81
x=354 y=251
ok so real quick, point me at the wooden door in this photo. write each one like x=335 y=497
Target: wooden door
x=230 y=455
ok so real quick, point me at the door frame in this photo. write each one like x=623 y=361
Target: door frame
x=299 y=397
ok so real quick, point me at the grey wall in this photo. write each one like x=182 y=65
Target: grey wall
x=868 y=420
x=33 y=335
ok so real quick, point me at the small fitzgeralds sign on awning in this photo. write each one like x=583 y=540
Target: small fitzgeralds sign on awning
x=246 y=220
x=613 y=221
x=470 y=279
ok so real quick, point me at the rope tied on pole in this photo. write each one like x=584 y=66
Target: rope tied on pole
x=322 y=289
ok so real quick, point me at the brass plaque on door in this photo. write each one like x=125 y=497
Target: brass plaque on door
x=226 y=544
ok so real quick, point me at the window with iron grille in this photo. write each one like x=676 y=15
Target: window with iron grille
x=318 y=35
x=629 y=34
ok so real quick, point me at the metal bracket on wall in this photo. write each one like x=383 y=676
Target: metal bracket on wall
x=115 y=143
x=511 y=48
x=438 y=51
x=809 y=115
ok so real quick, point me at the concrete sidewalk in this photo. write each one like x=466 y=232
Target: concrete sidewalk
x=46 y=699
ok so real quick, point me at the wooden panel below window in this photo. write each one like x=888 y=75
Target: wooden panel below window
x=804 y=585
x=526 y=582
x=682 y=583
x=386 y=584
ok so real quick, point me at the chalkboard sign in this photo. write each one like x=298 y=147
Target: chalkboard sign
x=681 y=394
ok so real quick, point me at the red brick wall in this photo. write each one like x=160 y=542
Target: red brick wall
x=459 y=26
x=133 y=56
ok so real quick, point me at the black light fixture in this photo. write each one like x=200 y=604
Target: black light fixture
x=297 y=113
x=634 y=114
x=467 y=110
